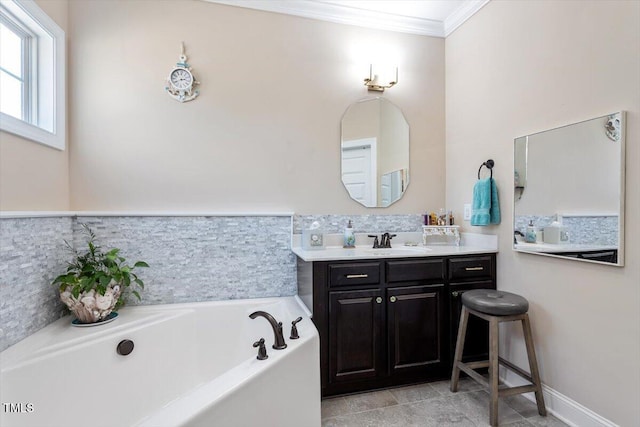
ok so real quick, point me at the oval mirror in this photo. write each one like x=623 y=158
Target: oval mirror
x=375 y=152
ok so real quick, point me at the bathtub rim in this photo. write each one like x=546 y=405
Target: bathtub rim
x=39 y=345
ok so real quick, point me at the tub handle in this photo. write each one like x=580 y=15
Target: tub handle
x=262 y=351
x=294 y=329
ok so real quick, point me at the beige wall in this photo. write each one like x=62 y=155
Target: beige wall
x=264 y=133
x=516 y=68
x=34 y=176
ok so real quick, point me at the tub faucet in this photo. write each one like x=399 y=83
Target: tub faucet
x=262 y=351
x=279 y=343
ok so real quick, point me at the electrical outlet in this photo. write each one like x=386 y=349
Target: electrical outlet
x=467 y=211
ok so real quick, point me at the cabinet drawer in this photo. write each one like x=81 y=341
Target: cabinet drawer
x=364 y=273
x=404 y=271
x=473 y=267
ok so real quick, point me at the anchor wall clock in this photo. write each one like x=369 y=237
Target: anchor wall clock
x=181 y=82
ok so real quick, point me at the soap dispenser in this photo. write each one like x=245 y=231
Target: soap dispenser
x=349 y=237
x=530 y=233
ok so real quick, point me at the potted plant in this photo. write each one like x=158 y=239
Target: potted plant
x=97 y=282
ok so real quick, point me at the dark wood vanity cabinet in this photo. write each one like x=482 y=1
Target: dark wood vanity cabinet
x=356 y=330
x=465 y=274
x=415 y=318
x=390 y=321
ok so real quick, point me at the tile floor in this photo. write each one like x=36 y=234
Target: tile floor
x=431 y=405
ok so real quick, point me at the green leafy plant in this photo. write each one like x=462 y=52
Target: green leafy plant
x=97 y=269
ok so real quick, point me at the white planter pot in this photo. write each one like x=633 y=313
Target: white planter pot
x=91 y=307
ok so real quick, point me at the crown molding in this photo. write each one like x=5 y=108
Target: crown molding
x=362 y=18
x=460 y=15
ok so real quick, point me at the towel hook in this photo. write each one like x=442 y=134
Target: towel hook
x=489 y=165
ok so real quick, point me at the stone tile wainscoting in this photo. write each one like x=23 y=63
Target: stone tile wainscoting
x=32 y=254
x=191 y=258
x=195 y=259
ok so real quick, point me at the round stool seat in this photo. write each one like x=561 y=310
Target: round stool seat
x=495 y=303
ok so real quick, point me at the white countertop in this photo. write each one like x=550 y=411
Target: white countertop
x=337 y=253
x=471 y=244
x=553 y=248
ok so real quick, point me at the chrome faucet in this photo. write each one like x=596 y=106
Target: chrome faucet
x=279 y=343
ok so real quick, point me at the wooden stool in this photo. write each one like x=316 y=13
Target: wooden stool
x=496 y=307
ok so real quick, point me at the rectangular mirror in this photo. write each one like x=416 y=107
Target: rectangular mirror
x=569 y=191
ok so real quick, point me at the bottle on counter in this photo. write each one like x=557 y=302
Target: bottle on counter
x=530 y=233
x=349 y=237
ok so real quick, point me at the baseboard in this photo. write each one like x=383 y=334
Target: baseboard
x=562 y=407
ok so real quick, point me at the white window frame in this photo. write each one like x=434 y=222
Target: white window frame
x=46 y=121
x=28 y=64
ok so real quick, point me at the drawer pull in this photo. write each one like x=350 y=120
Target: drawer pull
x=379 y=300
x=393 y=299
x=474 y=268
x=357 y=276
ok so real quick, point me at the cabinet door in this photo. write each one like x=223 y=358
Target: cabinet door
x=416 y=329
x=356 y=322
x=476 y=344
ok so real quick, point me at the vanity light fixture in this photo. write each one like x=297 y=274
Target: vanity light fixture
x=372 y=82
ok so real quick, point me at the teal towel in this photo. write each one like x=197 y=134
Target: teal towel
x=485 y=209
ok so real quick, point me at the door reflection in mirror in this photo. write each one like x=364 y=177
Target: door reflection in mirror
x=375 y=152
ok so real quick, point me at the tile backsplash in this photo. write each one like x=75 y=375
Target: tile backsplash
x=583 y=229
x=191 y=258
x=202 y=258
x=361 y=223
x=32 y=254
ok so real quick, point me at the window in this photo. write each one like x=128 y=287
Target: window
x=32 y=74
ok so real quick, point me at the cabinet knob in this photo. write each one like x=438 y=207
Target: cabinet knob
x=393 y=299
x=455 y=294
x=379 y=300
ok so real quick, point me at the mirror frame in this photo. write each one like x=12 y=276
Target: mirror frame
x=519 y=192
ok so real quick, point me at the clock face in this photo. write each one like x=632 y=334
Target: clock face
x=181 y=78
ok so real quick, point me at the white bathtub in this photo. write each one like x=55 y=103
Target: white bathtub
x=192 y=365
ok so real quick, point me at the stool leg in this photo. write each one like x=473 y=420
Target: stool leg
x=493 y=370
x=533 y=364
x=462 y=331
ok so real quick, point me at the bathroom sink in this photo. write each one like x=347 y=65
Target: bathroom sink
x=362 y=252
